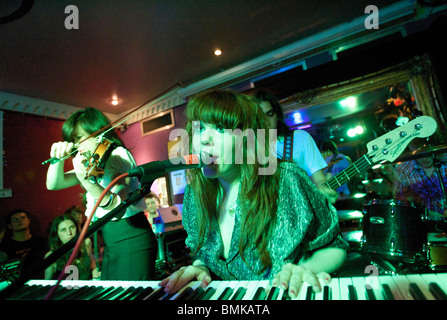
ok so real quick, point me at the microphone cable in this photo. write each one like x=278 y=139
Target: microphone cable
x=82 y=235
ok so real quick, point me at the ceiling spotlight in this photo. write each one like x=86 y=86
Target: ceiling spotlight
x=217 y=52
x=114 y=101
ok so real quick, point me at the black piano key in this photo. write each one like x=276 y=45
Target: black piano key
x=260 y=294
x=273 y=294
x=86 y=293
x=101 y=291
x=436 y=290
x=286 y=296
x=387 y=293
x=310 y=294
x=82 y=293
x=36 y=292
x=416 y=292
x=327 y=293
x=42 y=294
x=63 y=293
x=370 y=294
x=240 y=293
x=185 y=294
x=198 y=293
x=226 y=294
x=124 y=294
x=167 y=296
x=110 y=294
x=153 y=295
x=55 y=294
x=208 y=293
x=352 y=293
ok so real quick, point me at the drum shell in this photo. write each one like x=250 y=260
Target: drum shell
x=437 y=254
x=437 y=251
x=394 y=228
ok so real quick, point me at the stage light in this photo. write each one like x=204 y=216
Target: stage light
x=355 y=131
x=304 y=126
x=115 y=101
x=297 y=118
x=217 y=52
x=359 y=195
x=350 y=102
x=351 y=133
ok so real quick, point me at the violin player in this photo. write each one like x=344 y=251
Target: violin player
x=130 y=245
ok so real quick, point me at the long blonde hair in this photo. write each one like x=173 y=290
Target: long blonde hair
x=258 y=193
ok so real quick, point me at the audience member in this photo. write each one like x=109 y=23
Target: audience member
x=23 y=245
x=63 y=229
x=152 y=204
x=3 y=255
x=77 y=212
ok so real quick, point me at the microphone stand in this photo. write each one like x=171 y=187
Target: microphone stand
x=117 y=212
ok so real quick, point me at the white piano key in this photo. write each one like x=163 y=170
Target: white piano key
x=335 y=288
x=193 y=285
x=359 y=285
x=265 y=284
x=281 y=294
x=220 y=287
x=302 y=292
x=403 y=285
x=240 y=284
x=431 y=277
x=376 y=287
x=251 y=290
x=422 y=284
x=394 y=290
x=319 y=295
x=442 y=277
x=344 y=291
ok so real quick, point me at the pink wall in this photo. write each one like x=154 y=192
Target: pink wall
x=153 y=147
x=27 y=142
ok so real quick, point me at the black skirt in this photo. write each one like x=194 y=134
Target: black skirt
x=130 y=249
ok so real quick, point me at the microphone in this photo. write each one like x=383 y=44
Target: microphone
x=190 y=161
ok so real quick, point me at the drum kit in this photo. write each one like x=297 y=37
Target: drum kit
x=398 y=236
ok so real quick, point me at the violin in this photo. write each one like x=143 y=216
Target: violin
x=96 y=162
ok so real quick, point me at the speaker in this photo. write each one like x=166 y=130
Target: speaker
x=159 y=122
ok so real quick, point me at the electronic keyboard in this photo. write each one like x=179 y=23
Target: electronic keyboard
x=429 y=286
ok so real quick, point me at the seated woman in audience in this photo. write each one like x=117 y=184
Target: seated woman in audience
x=63 y=229
x=244 y=225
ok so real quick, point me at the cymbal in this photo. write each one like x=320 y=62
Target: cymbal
x=422 y=153
x=346 y=215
